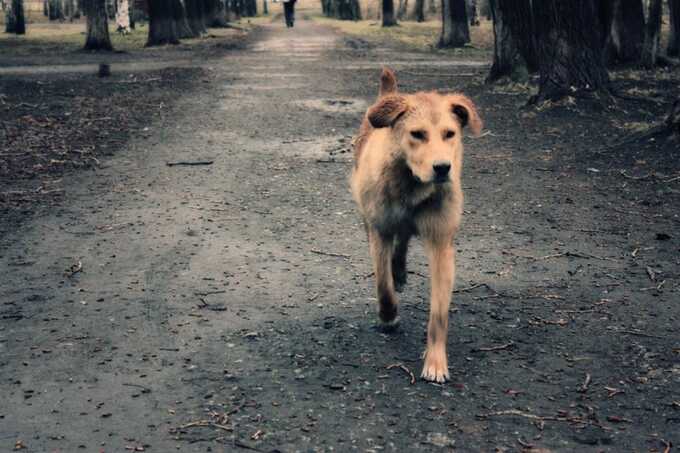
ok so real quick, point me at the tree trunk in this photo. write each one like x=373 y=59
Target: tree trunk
x=55 y=11
x=568 y=41
x=507 y=56
x=455 y=29
x=265 y=8
x=673 y=119
x=674 y=35
x=650 y=47
x=419 y=11
x=97 y=26
x=403 y=7
x=195 y=16
x=627 y=32
x=163 y=19
x=474 y=18
x=432 y=8
x=123 y=16
x=388 y=19
x=221 y=14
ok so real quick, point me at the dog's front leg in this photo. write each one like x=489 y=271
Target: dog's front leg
x=442 y=269
x=382 y=249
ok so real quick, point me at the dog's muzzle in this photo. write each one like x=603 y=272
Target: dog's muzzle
x=441 y=172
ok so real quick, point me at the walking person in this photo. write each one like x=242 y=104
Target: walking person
x=289 y=12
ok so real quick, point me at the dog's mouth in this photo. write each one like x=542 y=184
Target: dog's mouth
x=441 y=179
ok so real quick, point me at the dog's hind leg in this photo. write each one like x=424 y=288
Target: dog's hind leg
x=382 y=250
x=399 y=273
x=442 y=268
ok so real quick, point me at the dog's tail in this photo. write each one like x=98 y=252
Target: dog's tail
x=388 y=82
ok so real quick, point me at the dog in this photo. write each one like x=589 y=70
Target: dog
x=408 y=158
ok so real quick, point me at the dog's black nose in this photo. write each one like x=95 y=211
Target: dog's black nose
x=441 y=169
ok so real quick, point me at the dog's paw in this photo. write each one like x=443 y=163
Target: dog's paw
x=388 y=326
x=436 y=367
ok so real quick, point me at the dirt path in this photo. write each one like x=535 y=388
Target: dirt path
x=238 y=295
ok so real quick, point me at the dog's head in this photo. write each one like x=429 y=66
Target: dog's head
x=428 y=129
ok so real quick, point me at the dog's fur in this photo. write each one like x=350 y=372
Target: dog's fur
x=400 y=193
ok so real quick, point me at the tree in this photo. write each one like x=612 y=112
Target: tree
x=627 y=32
x=674 y=35
x=123 y=16
x=388 y=19
x=97 y=26
x=455 y=29
x=650 y=46
x=341 y=9
x=14 y=18
x=513 y=40
x=569 y=47
x=195 y=13
x=419 y=11
x=55 y=11
x=401 y=11
x=163 y=18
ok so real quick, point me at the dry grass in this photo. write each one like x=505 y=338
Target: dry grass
x=62 y=38
x=413 y=35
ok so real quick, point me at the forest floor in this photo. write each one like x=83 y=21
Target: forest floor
x=230 y=306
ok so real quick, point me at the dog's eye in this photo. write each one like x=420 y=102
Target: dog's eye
x=419 y=135
x=449 y=135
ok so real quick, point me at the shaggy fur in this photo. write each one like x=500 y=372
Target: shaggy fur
x=406 y=182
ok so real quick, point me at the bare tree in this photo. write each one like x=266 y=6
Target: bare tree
x=163 y=18
x=97 y=26
x=455 y=29
x=123 y=16
x=674 y=35
x=569 y=47
x=508 y=58
x=419 y=11
x=15 y=21
x=388 y=19
x=627 y=32
x=650 y=46
x=403 y=8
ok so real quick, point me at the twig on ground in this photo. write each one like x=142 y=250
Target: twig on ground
x=405 y=369
x=144 y=389
x=470 y=288
x=517 y=413
x=197 y=162
x=337 y=255
x=205 y=423
x=496 y=348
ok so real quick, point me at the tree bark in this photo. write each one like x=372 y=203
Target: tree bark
x=569 y=47
x=508 y=60
x=195 y=16
x=455 y=29
x=14 y=17
x=674 y=35
x=388 y=19
x=97 y=26
x=673 y=119
x=123 y=16
x=54 y=10
x=627 y=32
x=474 y=18
x=650 y=47
x=163 y=18
x=403 y=7
x=419 y=11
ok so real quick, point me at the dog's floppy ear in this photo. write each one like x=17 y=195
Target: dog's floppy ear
x=387 y=110
x=388 y=82
x=465 y=110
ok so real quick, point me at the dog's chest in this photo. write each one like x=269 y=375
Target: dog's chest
x=400 y=215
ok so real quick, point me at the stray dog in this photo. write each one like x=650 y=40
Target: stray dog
x=406 y=181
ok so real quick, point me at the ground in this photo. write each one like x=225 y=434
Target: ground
x=228 y=306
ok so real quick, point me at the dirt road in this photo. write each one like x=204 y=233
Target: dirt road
x=230 y=306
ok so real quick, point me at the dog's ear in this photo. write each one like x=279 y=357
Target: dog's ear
x=387 y=111
x=388 y=82
x=466 y=112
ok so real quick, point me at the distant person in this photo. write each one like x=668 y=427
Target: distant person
x=289 y=12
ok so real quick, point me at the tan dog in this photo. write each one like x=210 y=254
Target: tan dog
x=406 y=181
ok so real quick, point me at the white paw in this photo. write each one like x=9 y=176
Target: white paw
x=436 y=367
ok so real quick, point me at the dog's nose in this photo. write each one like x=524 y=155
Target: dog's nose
x=441 y=169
